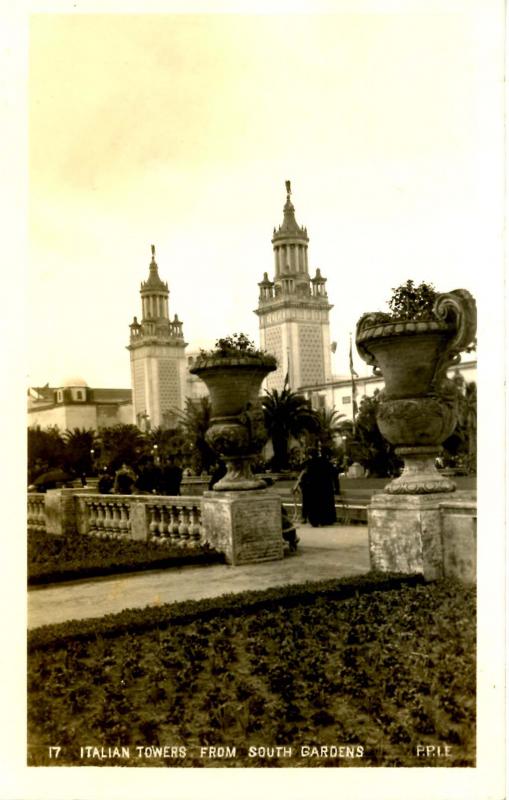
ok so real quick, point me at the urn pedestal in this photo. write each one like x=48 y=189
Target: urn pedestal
x=240 y=517
x=434 y=535
x=244 y=525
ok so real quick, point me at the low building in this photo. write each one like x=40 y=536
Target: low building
x=74 y=404
x=341 y=391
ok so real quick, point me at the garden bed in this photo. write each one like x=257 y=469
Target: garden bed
x=53 y=558
x=355 y=672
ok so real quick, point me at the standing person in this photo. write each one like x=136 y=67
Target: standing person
x=316 y=482
x=171 y=477
x=105 y=482
x=124 y=480
x=149 y=476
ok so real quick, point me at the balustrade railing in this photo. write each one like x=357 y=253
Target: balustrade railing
x=175 y=521
x=168 y=521
x=108 y=517
x=36 y=515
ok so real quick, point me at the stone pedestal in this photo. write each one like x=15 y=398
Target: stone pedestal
x=459 y=537
x=245 y=526
x=419 y=533
x=404 y=534
x=59 y=511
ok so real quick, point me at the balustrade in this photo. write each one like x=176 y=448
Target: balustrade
x=108 y=517
x=175 y=521
x=170 y=521
x=36 y=518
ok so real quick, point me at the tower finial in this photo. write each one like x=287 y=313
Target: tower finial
x=288 y=188
x=152 y=247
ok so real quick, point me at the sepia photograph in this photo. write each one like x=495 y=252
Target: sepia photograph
x=263 y=282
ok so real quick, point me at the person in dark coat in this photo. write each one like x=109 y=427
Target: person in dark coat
x=149 y=477
x=171 y=477
x=105 y=482
x=317 y=483
x=124 y=480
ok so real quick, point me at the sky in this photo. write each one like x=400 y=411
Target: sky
x=179 y=130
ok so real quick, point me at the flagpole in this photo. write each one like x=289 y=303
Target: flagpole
x=353 y=386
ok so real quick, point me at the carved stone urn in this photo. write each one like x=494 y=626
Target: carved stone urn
x=237 y=431
x=419 y=405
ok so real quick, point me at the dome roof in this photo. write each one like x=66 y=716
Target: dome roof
x=74 y=382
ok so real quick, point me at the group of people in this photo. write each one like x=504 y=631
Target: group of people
x=149 y=478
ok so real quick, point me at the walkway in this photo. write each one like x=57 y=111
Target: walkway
x=332 y=552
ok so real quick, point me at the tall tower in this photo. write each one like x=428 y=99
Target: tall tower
x=158 y=362
x=293 y=310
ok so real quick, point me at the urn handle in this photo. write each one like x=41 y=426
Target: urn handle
x=459 y=308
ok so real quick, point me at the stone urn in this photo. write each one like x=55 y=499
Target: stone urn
x=419 y=405
x=237 y=430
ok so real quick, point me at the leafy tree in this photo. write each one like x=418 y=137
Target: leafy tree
x=166 y=441
x=78 y=445
x=194 y=422
x=369 y=446
x=286 y=414
x=46 y=450
x=121 y=444
x=461 y=447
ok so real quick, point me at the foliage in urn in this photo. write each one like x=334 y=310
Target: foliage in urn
x=411 y=302
x=234 y=346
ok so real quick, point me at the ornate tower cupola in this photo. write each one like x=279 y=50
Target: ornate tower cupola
x=293 y=309
x=290 y=244
x=154 y=294
x=157 y=347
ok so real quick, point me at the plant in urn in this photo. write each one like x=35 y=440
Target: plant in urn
x=233 y=373
x=412 y=347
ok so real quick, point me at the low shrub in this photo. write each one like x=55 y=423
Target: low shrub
x=374 y=665
x=63 y=558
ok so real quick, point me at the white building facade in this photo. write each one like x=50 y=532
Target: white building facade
x=340 y=392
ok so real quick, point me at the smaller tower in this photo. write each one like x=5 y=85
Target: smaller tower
x=157 y=350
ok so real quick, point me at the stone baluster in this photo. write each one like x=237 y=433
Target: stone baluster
x=184 y=526
x=107 y=520
x=100 y=519
x=153 y=526
x=123 y=522
x=30 y=514
x=194 y=526
x=164 y=525
x=41 y=515
x=115 y=520
x=173 y=525
x=91 y=514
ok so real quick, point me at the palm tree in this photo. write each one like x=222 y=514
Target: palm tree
x=194 y=421
x=80 y=446
x=329 y=427
x=165 y=441
x=121 y=444
x=286 y=414
x=46 y=450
